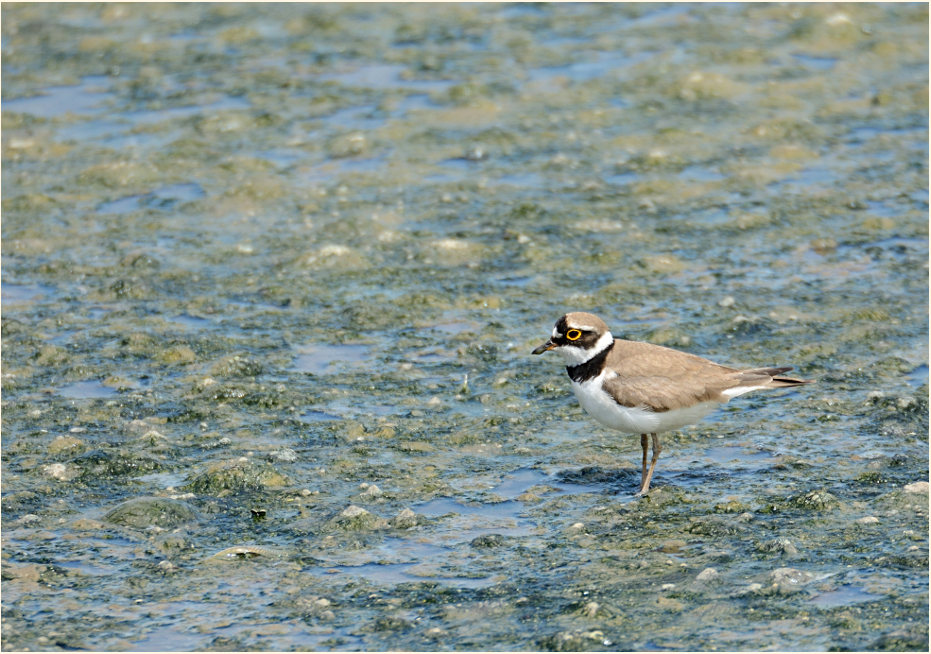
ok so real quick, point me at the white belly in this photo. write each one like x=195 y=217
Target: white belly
x=634 y=420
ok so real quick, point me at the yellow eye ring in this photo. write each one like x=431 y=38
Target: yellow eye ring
x=573 y=334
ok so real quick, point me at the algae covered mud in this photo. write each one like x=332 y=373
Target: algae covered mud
x=271 y=279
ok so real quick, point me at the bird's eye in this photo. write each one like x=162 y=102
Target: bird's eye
x=573 y=334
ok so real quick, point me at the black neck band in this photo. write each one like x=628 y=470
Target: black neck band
x=591 y=368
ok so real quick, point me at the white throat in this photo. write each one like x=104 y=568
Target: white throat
x=573 y=356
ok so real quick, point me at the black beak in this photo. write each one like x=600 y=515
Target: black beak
x=549 y=345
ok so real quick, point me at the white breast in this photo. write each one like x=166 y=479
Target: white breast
x=634 y=420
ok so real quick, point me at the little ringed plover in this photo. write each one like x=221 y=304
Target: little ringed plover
x=639 y=388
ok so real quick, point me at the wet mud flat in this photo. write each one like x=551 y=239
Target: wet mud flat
x=271 y=277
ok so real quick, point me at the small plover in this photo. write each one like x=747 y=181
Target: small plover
x=640 y=388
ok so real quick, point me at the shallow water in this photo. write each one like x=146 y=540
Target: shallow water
x=271 y=277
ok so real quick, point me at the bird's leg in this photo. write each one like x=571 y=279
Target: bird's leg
x=643 y=467
x=657 y=448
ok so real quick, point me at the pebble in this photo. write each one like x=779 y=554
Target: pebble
x=906 y=402
x=372 y=491
x=707 y=575
x=487 y=541
x=285 y=455
x=818 y=500
x=59 y=471
x=355 y=518
x=405 y=519
x=353 y=511
x=146 y=512
x=244 y=552
x=65 y=444
x=672 y=546
x=778 y=545
x=867 y=520
x=789 y=580
x=167 y=566
x=917 y=487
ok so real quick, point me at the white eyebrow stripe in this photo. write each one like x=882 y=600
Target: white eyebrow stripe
x=584 y=328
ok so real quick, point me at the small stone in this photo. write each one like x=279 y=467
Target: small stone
x=145 y=512
x=918 y=487
x=405 y=519
x=707 y=575
x=372 y=491
x=867 y=520
x=347 y=145
x=824 y=246
x=24 y=572
x=285 y=455
x=663 y=264
x=778 y=546
x=669 y=604
x=244 y=552
x=355 y=518
x=528 y=497
x=60 y=471
x=385 y=431
x=177 y=354
x=572 y=641
x=65 y=444
x=727 y=301
x=817 y=500
x=417 y=446
x=236 y=476
x=487 y=540
x=789 y=580
x=353 y=511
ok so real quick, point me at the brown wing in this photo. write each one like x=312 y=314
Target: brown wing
x=660 y=393
x=663 y=378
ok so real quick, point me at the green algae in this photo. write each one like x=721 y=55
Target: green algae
x=289 y=261
x=143 y=512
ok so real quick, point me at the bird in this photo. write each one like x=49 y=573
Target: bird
x=641 y=388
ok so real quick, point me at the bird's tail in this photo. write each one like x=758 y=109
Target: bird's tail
x=778 y=379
